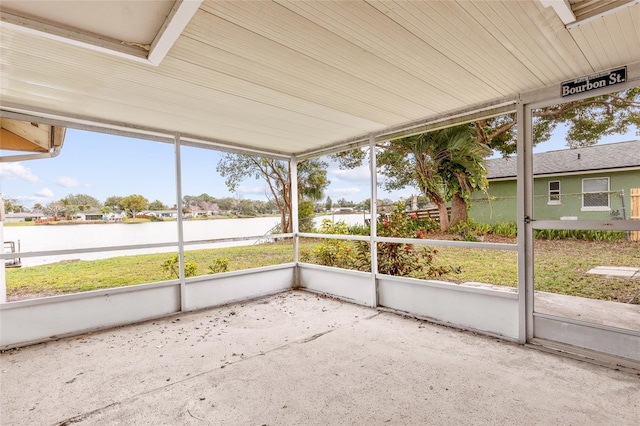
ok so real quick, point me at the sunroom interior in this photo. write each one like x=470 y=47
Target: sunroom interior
x=297 y=80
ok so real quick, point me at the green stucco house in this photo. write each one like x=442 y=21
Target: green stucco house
x=591 y=183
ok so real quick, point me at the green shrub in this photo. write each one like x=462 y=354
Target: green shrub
x=305 y=216
x=505 y=229
x=470 y=230
x=171 y=267
x=393 y=258
x=401 y=259
x=220 y=264
x=425 y=224
x=336 y=253
x=358 y=229
x=578 y=234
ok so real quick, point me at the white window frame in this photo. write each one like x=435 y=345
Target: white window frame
x=556 y=192
x=597 y=208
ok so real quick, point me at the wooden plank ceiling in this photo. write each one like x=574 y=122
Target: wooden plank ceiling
x=291 y=76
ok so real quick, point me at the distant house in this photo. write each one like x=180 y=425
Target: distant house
x=23 y=216
x=164 y=214
x=90 y=215
x=591 y=183
x=115 y=216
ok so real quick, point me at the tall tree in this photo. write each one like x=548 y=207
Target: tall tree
x=157 y=205
x=587 y=121
x=189 y=200
x=10 y=206
x=106 y=210
x=247 y=208
x=328 y=204
x=225 y=203
x=115 y=202
x=445 y=165
x=82 y=201
x=55 y=209
x=134 y=204
x=312 y=179
x=71 y=211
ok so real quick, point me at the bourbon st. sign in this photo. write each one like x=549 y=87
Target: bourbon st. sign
x=594 y=81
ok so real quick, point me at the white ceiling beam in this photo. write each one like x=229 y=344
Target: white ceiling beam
x=613 y=8
x=176 y=22
x=562 y=8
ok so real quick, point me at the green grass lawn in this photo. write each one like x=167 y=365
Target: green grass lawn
x=74 y=276
x=497 y=267
x=12 y=224
x=560 y=266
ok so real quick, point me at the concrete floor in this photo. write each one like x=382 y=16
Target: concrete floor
x=301 y=359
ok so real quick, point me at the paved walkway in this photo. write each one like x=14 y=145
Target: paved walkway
x=300 y=359
x=629 y=272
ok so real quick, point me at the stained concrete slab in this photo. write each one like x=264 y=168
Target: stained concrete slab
x=301 y=359
x=613 y=314
x=615 y=271
x=604 y=312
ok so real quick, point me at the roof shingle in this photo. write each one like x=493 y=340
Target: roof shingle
x=597 y=157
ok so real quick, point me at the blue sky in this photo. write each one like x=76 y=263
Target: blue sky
x=103 y=165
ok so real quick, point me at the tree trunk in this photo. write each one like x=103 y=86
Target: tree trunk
x=458 y=210
x=444 y=216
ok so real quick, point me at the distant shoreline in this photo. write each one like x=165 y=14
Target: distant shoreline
x=128 y=221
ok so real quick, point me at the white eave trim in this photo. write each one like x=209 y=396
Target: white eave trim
x=73 y=37
x=177 y=20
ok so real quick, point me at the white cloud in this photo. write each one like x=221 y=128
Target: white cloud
x=17 y=171
x=258 y=190
x=359 y=174
x=43 y=196
x=69 y=182
x=343 y=191
x=45 y=192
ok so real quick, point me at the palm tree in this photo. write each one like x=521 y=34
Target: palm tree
x=446 y=165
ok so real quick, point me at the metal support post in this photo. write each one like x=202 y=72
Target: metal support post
x=525 y=229
x=374 y=216
x=183 y=284
x=3 y=277
x=293 y=174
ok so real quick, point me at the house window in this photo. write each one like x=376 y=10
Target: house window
x=595 y=194
x=554 y=192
